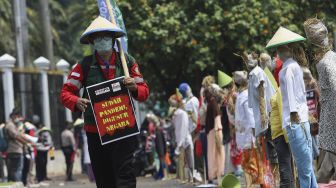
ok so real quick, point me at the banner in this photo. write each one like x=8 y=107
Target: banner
x=116 y=17
x=312 y=102
x=113 y=110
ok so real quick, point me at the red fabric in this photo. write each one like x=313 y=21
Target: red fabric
x=109 y=74
x=198 y=148
x=69 y=93
x=278 y=67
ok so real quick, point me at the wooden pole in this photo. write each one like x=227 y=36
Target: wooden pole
x=121 y=51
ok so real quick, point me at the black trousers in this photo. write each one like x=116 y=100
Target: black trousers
x=41 y=165
x=112 y=164
x=25 y=170
x=68 y=152
x=285 y=162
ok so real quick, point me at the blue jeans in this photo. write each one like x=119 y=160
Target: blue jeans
x=15 y=167
x=300 y=142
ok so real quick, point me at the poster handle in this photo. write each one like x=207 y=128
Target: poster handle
x=123 y=59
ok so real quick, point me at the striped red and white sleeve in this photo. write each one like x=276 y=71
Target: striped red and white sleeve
x=143 y=89
x=70 y=89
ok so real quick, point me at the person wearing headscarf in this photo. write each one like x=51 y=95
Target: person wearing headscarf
x=244 y=127
x=213 y=128
x=191 y=105
x=317 y=33
x=295 y=109
x=184 y=145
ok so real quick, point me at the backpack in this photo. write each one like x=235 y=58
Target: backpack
x=3 y=138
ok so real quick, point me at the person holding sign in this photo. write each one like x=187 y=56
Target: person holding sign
x=111 y=163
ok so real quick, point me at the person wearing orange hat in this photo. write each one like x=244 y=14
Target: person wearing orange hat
x=112 y=164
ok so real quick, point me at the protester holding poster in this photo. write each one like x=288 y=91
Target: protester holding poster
x=111 y=163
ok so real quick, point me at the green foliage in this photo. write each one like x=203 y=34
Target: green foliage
x=174 y=40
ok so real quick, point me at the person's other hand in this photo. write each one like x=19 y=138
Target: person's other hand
x=130 y=84
x=82 y=103
x=294 y=117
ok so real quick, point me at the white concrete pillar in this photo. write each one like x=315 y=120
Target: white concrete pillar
x=43 y=65
x=7 y=63
x=63 y=65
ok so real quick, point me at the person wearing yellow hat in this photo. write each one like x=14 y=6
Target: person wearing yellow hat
x=295 y=109
x=112 y=163
x=317 y=33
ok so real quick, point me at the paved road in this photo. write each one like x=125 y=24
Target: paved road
x=82 y=182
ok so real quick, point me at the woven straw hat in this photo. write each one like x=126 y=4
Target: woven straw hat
x=223 y=79
x=316 y=32
x=101 y=24
x=283 y=36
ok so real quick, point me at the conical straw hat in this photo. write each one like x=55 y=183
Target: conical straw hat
x=101 y=24
x=283 y=36
x=223 y=79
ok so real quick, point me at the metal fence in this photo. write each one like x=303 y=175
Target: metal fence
x=2 y=103
x=32 y=94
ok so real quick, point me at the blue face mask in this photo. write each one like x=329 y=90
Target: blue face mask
x=102 y=44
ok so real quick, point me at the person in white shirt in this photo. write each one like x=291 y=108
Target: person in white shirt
x=184 y=145
x=295 y=109
x=191 y=105
x=244 y=127
x=260 y=92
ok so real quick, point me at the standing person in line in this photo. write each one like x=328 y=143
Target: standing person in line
x=183 y=138
x=225 y=81
x=43 y=146
x=281 y=142
x=16 y=140
x=213 y=127
x=317 y=33
x=68 y=144
x=295 y=109
x=260 y=91
x=191 y=106
x=236 y=154
x=244 y=128
x=206 y=82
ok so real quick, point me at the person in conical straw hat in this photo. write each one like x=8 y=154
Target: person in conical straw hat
x=227 y=84
x=317 y=33
x=295 y=109
x=112 y=163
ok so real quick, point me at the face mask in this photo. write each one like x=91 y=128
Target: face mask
x=102 y=44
